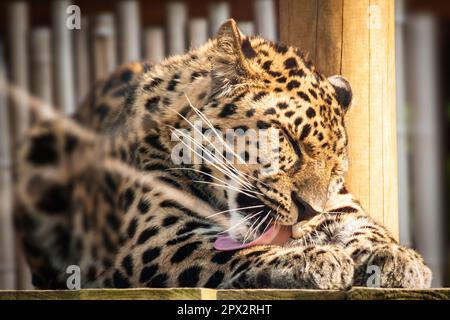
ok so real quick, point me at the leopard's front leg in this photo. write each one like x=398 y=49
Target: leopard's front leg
x=379 y=259
x=310 y=267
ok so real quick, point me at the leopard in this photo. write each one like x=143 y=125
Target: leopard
x=104 y=190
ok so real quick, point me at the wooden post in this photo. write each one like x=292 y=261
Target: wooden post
x=404 y=181
x=356 y=38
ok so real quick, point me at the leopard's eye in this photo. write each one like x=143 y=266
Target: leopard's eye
x=337 y=171
x=296 y=167
x=295 y=146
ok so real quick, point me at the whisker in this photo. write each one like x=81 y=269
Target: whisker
x=262 y=221
x=208 y=122
x=203 y=116
x=196 y=170
x=223 y=169
x=228 y=187
x=208 y=175
x=196 y=129
x=239 y=223
x=333 y=212
x=249 y=231
x=237 y=209
x=270 y=222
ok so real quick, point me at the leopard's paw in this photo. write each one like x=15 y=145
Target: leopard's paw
x=398 y=267
x=328 y=268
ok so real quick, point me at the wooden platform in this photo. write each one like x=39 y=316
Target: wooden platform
x=209 y=294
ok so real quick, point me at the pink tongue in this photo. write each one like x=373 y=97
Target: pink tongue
x=276 y=235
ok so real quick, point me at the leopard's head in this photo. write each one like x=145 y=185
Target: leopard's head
x=291 y=115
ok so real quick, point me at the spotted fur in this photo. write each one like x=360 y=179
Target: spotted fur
x=102 y=191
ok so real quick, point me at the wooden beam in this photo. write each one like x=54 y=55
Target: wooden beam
x=18 y=30
x=211 y=294
x=356 y=38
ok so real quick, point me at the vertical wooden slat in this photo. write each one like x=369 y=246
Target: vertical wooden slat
x=154 y=44
x=7 y=257
x=426 y=142
x=129 y=31
x=265 y=19
x=18 y=63
x=82 y=61
x=40 y=64
x=64 y=79
x=104 y=46
x=176 y=23
x=218 y=12
x=247 y=27
x=198 y=32
x=404 y=182
x=356 y=39
x=18 y=52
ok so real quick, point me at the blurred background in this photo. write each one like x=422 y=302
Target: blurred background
x=58 y=62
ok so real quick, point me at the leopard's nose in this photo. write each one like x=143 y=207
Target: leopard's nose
x=303 y=209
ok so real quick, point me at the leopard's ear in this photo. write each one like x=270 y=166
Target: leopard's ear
x=232 y=41
x=343 y=89
x=233 y=55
